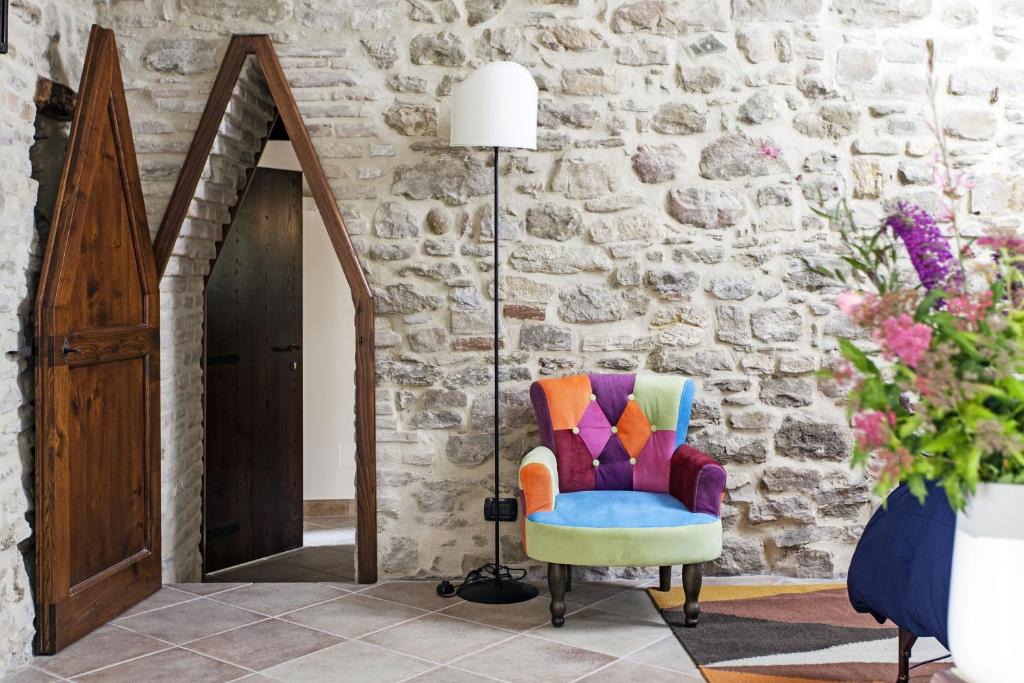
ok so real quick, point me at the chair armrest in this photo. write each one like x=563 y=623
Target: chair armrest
x=538 y=479
x=697 y=480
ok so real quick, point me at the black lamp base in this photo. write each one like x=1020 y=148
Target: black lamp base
x=499 y=592
x=491 y=585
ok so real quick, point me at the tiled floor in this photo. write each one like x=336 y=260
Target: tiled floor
x=327 y=554
x=388 y=632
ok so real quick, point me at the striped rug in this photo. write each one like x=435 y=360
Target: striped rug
x=789 y=633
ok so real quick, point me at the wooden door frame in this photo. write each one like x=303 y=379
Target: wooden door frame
x=262 y=49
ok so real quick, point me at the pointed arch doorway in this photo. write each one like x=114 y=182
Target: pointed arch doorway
x=260 y=49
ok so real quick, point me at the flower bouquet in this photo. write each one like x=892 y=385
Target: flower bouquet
x=936 y=381
x=938 y=392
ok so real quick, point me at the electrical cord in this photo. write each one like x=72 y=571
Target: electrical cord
x=930 y=661
x=488 y=572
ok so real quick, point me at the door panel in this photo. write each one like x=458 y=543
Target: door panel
x=104 y=275
x=254 y=378
x=97 y=376
x=101 y=395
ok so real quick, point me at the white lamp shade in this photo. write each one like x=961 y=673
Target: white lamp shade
x=495 y=107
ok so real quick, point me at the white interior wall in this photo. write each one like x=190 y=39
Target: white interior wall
x=328 y=353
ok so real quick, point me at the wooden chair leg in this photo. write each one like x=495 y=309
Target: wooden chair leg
x=556 y=584
x=692 y=579
x=665 y=578
x=906 y=640
x=568 y=578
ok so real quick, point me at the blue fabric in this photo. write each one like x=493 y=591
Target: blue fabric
x=619 y=509
x=900 y=570
x=685 y=405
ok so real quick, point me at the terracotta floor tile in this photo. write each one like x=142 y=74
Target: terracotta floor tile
x=437 y=638
x=321 y=560
x=527 y=660
x=189 y=620
x=422 y=594
x=612 y=634
x=105 y=646
x=624 y=670
x=589 y=592
x=274 y=599
x=264 y=644
x=447 y=674
x=353 y=615
x=277 y=571
x=206 y=588
x=634 y=602
x=165 y=597
x=517 y=617
x=169 y=666
x=28 y=674
x=349 y=662
x=668 y=653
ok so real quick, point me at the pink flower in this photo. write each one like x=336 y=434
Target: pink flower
x=891 y=464
x=956 y=183
x=872 y=428
x=843 y=373
x=999 y=240
x=944 y=214
x=770 y=150
x=970 y=308
x=906 y=339
x=849 y=302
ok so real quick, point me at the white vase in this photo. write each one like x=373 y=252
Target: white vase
x=986 y=592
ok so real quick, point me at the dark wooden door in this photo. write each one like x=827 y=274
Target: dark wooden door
x=254 y=378
x=97 y=375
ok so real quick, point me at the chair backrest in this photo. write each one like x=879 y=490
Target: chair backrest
x=614 y=432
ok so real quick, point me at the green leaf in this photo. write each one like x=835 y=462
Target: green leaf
x=859 y=359
x=940 y=443
x=874 y=394
x=916 y=485
x=961 y=339
x=928 y=303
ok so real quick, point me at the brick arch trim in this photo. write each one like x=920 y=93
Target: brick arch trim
x=262 y=50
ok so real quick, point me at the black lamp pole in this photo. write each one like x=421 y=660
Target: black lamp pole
x=494 y=583
x=497 y=339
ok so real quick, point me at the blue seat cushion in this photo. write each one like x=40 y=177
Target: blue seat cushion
x=619 y=509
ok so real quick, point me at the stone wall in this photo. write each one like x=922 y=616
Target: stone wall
x=659 y=227
x=48 y=40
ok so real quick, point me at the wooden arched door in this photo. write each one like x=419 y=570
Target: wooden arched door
x=97 y=375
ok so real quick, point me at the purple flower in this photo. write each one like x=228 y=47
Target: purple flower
x=928 y=248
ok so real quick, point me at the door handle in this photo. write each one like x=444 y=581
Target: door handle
x=67 y=349
x=286 y=349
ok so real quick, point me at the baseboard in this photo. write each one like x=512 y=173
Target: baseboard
x=342 y=507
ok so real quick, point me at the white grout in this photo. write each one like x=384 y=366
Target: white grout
x=531 y=632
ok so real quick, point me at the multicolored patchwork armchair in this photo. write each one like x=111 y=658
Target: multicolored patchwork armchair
x=615 y=485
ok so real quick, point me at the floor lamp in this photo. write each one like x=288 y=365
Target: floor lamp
x=496 y=106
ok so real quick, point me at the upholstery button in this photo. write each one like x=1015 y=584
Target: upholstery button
x=596 y=463
x=615 y=430
x=630 y=397
x=632 y=461
x=654 y=428
x=593 y=397
x=575 y=430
